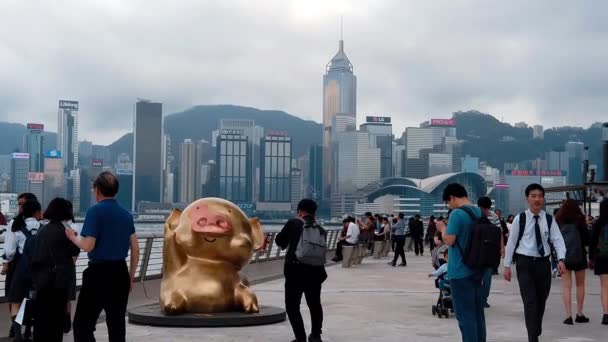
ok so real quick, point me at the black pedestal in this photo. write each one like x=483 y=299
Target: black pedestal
x=153 y=316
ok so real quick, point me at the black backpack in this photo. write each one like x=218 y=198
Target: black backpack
x=483 y=247
x=572 y=240
x=24 y=266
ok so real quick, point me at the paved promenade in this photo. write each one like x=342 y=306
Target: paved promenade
x=376 y=302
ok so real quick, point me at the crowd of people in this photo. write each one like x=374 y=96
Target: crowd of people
x=39 y=263
x=41 y=250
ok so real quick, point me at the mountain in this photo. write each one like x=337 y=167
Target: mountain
x=198 y=122
x=11 y=138
x=499 y=143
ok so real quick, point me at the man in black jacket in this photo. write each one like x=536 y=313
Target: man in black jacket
x=300 y=278
x=417 y=235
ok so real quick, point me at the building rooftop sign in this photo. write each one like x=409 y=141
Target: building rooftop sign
x=20 y=155
x=63 y=104
x=35 y=126
x=53 y=154
x=232 y=131
x=539 y=173
x=443 y=122
x=378 y=119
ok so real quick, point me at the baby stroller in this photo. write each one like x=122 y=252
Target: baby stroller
x=444 y=302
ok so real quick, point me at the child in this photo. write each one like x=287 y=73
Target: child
x=442 y=272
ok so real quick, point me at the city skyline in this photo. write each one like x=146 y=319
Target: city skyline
x=544 y=69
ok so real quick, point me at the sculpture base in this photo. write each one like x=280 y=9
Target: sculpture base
x=153 y=316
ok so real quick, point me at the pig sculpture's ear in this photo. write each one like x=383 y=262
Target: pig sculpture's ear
x=257 y=233
x=173 y=220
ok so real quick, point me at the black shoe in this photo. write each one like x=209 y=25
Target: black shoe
x=486 y=305
x=568 y=321
x=336 y=259
x=581 y=319
x=403 y=264
x=67 y=324
x=314 y=339
x=392 y=264
x=605 y=319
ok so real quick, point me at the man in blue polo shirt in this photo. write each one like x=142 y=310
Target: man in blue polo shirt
x=467 y=293
x=107 y=234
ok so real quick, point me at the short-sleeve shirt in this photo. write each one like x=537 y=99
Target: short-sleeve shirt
x=459 y=224
x=111 y=226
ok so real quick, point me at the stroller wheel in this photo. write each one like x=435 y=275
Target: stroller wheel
x=446 y=313
x=434 y=309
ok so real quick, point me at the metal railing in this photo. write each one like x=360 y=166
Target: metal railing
x=151 y=256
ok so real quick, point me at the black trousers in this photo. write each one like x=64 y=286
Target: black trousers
x=399 y=252
x=534 y=277
x=294 y=288
x=418 y=244
x=105 y=286
x=339 y=248
x=49 y=314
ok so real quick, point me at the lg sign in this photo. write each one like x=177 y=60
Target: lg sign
x=68 y=104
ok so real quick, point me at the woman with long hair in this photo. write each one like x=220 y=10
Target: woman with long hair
x=430 y=232
x=598 y=254
x=53 y=272
x=571 y=218
x=23 y=227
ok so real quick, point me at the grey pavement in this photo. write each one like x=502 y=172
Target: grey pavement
x=374 y=301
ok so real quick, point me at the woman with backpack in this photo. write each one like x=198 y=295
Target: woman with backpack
x=598 y=254
x=24 y=226
x=573 y=226
x=53 y=272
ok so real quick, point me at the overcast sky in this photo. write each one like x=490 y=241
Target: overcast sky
x=538 y=61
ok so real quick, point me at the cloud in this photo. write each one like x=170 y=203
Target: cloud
x=540 y=61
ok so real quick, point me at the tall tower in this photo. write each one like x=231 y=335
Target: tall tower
x=339 y=97
x=190 y=172
x=147 y=152
x=33 y=142
x=67 y=133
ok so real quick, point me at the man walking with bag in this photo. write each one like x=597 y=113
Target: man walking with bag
x=529 y=246
x=304 y=268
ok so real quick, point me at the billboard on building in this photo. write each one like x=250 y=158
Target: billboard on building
x=443 y=122
x=539 y=173
x=35 y=126
x=378 y=119
x=232 y=131
x=36 y=177
x=20 y=155
x=64 y=104
x=53 y=154
x=97 y=162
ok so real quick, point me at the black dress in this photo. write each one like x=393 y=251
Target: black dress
x=601 y=263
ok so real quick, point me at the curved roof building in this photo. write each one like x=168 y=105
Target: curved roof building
x=416 y=196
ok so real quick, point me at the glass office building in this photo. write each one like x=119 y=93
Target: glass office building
x=234 y=155
x=275 y=169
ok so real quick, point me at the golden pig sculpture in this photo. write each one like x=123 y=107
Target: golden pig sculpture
x=204 y=249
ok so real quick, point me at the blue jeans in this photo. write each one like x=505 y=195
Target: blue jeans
x=468 y=301
x=486 y=284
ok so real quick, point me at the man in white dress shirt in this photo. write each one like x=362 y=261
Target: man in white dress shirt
x=530 y=249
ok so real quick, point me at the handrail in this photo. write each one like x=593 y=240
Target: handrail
x=151 y=252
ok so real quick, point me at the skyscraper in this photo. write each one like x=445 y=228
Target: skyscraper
x=147 y=152
x=380 y=132
x=576 y=151
x=53 y=176
x=20 y=166
x=275 y=170
x=314 y=188
x=190 y=172
x=234 y=156
x=339 y=96
x=296 y=188
x=67 y=133
x=33 y=142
